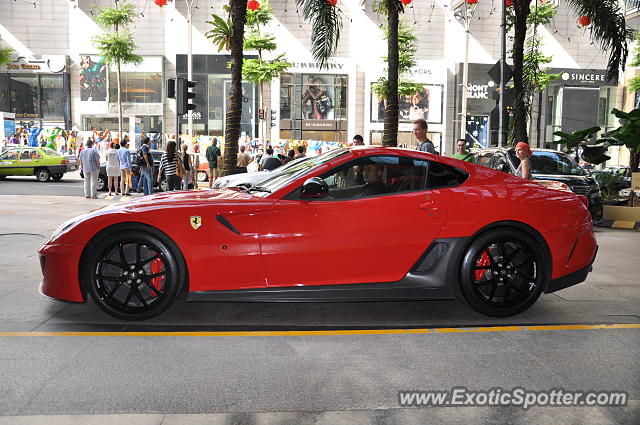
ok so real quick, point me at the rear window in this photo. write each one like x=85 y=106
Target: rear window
x=555 y=163
x=50 y=152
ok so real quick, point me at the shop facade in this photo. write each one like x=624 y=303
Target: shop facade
x=313 y=103
x=579 y=99
x=142 y=95
x=37 y=91
x=429 y=104
x=213 y=84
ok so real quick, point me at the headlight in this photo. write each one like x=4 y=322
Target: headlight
x=67 y=225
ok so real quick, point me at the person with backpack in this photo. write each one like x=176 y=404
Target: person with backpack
x=212 y=153
x=145 y=161
x=462 y=153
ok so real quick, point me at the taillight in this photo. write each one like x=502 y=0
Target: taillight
x=584 y=200
x=64 y=161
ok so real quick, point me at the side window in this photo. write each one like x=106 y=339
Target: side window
x=376 y=175
x=484 y=159
x=500 y=163
x=441 y=175
x=12 y=155
x=35 y=155
x=26 y=154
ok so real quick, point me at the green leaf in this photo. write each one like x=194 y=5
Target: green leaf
x=221 y=32
x=326 y=24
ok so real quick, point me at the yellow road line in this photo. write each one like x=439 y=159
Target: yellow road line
x=332 y=332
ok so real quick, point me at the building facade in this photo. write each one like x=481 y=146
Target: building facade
x=58 y=79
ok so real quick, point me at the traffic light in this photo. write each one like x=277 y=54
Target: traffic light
x=274 y=118
x=184 y=95
x=171 y=88
x=261 y=113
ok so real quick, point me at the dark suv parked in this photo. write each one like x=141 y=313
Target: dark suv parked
x=548 y=164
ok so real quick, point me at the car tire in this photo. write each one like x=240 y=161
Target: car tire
x=202 y=176
x=101 y=183
x=503 y=272
x=42 y=175
x=57 y=177
x=163 y=186
x=134 y=274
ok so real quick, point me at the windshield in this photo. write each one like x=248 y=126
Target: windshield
x=50 y=152
x=543 y=162
x=296 y=170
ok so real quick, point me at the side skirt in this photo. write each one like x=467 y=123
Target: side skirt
x=433 y=277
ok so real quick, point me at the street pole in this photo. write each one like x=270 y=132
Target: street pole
x=465 y=71
x=189 y=68
x=503 y=58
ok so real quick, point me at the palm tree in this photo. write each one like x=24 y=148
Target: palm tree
x=608 y=28
x=234 y=101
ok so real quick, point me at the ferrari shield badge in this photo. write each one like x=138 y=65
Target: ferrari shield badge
x=196 y=221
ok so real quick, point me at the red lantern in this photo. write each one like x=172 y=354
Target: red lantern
x=406 y=2
x=333 y=2
x=584 y=21
x=509 y=3
x=472 y=1
x=160 y=2
x=253 y=5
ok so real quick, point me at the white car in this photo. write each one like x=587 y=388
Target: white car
x=252 y=179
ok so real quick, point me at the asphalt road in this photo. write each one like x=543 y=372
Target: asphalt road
x=301 y=377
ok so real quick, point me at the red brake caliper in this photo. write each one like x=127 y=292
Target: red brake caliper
x=482 y=262
x=156 y=267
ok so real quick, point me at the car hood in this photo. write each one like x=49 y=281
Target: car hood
x=244 y=178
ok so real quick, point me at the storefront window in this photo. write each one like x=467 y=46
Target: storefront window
x=137 y=87
x=52 y=101
x=426 y=104
x=24 y=95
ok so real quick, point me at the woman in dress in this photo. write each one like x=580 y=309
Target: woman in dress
x=169 y=164
x=113 y=168
x=523 y=152
x=188 y=169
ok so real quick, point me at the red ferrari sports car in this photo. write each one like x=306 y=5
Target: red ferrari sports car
x=359 y=224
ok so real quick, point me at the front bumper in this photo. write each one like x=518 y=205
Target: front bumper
x=59 y=265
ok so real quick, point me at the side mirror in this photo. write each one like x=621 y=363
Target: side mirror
x=314 y=188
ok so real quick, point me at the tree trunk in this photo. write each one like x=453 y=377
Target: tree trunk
x=263 y=122
x=234 y=101
x=521 y=10
x=634 y=159
x=391 y=112
x=118 y=76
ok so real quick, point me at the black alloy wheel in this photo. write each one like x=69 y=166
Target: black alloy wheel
x=134 y=275
x=503 y=272
x=101 y=183
x=42 y=175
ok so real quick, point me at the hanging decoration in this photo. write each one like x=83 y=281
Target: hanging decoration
x=472 y=1
x=335 y=2
x=253 y=5
x=406 y=2
x=160 y=3
x=509 y=3
x=584 y=21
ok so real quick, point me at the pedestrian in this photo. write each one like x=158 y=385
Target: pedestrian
x=212 y=153
x=243 y=160
x=113 y=168
x=188 y=167
x=90 y=167
x=420 y=128
x=271 y=162
x=523 y=152
x=14 y=139
x=462 y=153
x=169 y=165
x=125 y=168
x=291 y=155
x=358 y=140
x=267 y=155
x=300 y=153
x=146 y=167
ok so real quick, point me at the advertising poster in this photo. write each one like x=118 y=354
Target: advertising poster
x=426 y=104
x=318 y=98
x=93 y=79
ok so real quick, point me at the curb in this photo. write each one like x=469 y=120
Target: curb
x=619 y=224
